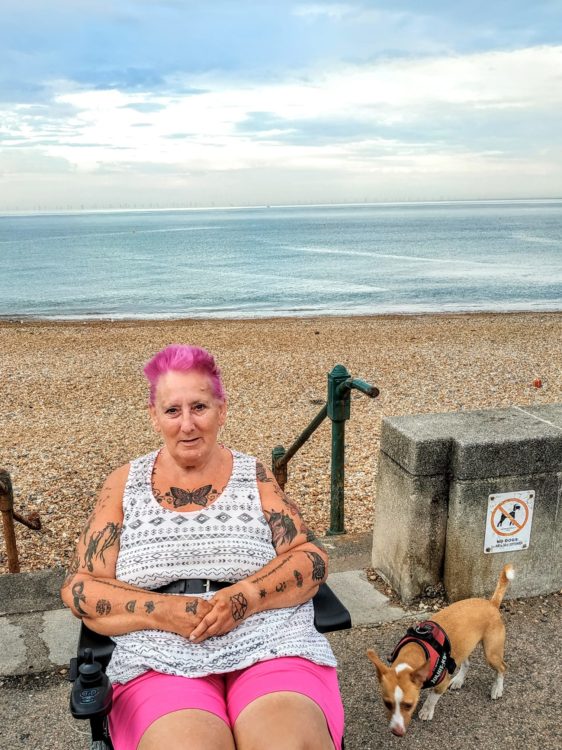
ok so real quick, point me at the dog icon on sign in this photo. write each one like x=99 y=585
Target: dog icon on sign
x=510 y=517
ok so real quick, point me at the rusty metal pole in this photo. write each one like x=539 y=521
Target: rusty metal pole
x=7 y=508
x=279 y=470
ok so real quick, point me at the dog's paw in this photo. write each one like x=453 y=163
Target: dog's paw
x=457 y=682
x=426 y=712
x=497 y=688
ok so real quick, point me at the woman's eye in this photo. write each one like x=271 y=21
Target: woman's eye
x=199 y=407
x=171 y=410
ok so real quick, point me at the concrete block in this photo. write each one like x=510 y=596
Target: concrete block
x=409 y=528
x=436 y=472
x=477 y=444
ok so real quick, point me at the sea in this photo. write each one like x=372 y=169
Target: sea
x=282 y=261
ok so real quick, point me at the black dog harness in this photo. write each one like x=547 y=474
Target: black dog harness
x=433 y=639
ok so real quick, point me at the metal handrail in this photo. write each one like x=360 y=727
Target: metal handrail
x=338 y=409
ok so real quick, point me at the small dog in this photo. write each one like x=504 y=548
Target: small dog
x=426 y=656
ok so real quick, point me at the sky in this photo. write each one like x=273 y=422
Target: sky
x=180 y=103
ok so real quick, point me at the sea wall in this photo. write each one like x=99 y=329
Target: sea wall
x=460 y=494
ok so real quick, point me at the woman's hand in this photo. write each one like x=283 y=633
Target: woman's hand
x=228 y=608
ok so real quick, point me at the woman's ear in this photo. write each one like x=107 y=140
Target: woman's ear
x=222 y=413
x=153 y=417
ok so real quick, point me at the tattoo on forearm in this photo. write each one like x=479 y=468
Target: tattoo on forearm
x=191 y=608
x=239 y=606
x=78 y=597
x=298 y=578
x=281 y=587
x=130 y=606
x=283 y=529
x=273 y=570
x=263 y=593
x=149 y=607
x=318 y=566
x=103 y=607
x=100 y=542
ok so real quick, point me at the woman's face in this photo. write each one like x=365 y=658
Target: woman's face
x=187 y=415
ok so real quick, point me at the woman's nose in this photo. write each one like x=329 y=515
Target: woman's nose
x=186 y=421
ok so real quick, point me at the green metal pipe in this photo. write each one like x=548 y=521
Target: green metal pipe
x=303 y=437
x=337 y=479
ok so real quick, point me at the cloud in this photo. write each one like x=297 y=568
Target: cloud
x=31 y=161
x=358 y=92
x=329 y=10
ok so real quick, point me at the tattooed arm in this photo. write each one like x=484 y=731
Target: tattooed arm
x=105 y=604
x=291 y=578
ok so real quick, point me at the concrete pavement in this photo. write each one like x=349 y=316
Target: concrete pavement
x=35 y=643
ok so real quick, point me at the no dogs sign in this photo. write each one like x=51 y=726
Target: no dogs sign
x=508 y=525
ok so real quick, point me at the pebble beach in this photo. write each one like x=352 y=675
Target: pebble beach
x=74 y=399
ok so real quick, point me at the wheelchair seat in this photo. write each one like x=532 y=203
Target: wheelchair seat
x=91 y=696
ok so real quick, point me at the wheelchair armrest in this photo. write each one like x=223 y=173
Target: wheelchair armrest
x=101 y=646
x=329 y=612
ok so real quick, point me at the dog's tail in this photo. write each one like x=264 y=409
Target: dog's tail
x=507 y=575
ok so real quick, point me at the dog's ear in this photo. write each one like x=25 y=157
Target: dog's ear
x=421 y=674
x=379 y=665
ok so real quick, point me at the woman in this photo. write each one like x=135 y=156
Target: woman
x=232 y=658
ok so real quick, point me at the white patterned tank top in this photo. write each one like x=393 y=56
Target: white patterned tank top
x=227 y=541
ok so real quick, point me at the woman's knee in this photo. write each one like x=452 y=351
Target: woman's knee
x=191 y=728
x=286 y=720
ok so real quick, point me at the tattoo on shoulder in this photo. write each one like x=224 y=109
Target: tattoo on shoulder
x=283 y=529
x=100 y=542
x=291 y=505
x=318 y=566
x=261 y=473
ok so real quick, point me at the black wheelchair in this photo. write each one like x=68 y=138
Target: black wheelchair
x=91 y=696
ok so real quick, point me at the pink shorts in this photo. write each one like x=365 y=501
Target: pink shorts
x=138 y=703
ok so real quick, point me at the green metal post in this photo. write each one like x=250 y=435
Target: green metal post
x=339 y=410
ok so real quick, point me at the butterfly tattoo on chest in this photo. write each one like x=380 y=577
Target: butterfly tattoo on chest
x=179 y=497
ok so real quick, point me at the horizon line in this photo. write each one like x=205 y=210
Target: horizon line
x=266 y=206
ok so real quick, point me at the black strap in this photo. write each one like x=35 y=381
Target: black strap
x=192 y=586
